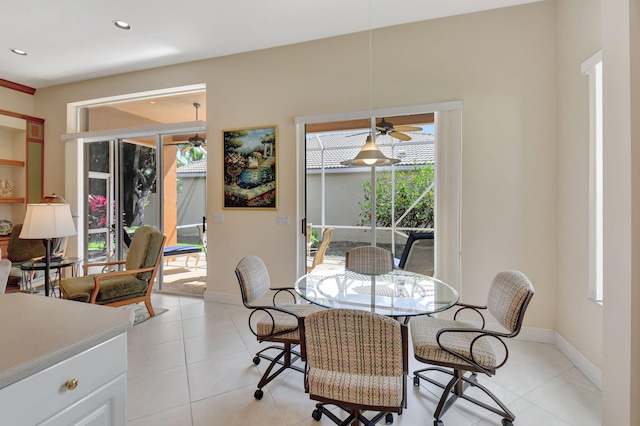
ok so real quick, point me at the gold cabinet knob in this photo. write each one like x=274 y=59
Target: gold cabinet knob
x=71 y=384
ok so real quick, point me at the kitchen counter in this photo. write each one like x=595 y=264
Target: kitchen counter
x=40 y=332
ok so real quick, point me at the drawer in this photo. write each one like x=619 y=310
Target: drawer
x=41 y=395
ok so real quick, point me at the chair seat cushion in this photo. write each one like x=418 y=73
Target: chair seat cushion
x=113 y=289
x=426 y=348
x=374 y=391
x=265 y=326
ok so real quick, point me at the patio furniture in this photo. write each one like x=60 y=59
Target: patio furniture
x=188 y=252
x=318 y=257
x=457 y=348
x=417 y=255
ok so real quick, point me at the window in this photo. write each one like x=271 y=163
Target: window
x=593 y=68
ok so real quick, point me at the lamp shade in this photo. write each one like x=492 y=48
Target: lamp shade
x=43 y=221
x=370 y=155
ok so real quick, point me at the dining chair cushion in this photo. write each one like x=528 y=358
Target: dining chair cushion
x=425 y=345
x=506 y=296
x=382 y=391
x=113 y=289
x=284 y=321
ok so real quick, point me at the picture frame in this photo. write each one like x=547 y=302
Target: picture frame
x=250 y=168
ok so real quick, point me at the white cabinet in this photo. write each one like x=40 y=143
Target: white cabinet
x=87 y=389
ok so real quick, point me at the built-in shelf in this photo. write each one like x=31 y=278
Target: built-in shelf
x=11 y=199
x=14 y=163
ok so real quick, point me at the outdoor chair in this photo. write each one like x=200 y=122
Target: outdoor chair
x=463 y=350
x=118 y=288
x=278 y=324
x=369 y=260
x=318 y=257
x=356 y=360
x=417 y=255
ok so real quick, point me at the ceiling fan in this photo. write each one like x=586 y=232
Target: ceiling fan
x=194 y=141
x=387 y=128
x=384 y=127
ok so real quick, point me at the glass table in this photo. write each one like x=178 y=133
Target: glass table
x=395 y=294
x=55 y=265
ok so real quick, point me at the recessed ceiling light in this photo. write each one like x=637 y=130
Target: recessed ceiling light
x=19 y=52
x=122 y=25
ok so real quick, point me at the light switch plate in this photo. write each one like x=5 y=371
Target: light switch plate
x=282 y=220
x=218 y=218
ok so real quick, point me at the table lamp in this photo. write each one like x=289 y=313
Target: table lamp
x=45 y=222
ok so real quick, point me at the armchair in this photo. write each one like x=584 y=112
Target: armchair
x=463 y=350
x=357 y=360
x=118 y=288
x=277 y=325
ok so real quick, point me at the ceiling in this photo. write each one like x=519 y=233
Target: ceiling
x=74 y=40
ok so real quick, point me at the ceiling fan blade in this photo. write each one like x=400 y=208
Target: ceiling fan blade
x=406 y=128
x=187 y=148
x=400 y=136
x=174 y=143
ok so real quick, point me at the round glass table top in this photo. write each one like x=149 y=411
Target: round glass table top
x=395 y=294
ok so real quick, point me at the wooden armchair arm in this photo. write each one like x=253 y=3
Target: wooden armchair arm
x=480 y=334
x=86 y=266
x=99 y=277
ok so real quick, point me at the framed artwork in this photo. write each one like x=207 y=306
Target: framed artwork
x=250 y=168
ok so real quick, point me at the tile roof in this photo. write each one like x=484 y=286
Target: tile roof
x=199 y=166
x=341 y=146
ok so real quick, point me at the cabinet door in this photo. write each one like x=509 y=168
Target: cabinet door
x=104 y=407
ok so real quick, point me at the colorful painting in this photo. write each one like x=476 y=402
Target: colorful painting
x=250 y=170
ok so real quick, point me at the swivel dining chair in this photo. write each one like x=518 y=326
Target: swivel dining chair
x=369 y=260
x=278 y=324
x=463 y=350
x=356 y=360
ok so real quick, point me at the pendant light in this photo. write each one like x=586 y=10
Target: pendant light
x=370 y=155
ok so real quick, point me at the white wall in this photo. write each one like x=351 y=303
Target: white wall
x=500 y=63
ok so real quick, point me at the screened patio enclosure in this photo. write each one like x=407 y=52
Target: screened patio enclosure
x=340 y=196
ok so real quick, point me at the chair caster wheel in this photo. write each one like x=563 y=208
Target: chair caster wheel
x=438 y=423
x=256 y=360
x=258 y=394
x=416 y=381
x=316 y=415
x=506 y=422
x=388 y=418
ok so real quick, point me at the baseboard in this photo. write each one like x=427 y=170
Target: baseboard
x=226 y=298
x=586 y=367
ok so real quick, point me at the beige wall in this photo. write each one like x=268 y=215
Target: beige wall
x=579 y=319
x=500 y=63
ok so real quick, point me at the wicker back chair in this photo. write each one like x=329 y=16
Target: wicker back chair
x=369 y=260
x=356 y=360
x=458 y=348
x=278 y=324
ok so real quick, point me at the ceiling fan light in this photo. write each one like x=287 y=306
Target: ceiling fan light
x=370 y=155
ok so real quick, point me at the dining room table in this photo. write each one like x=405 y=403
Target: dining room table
x=398 y=294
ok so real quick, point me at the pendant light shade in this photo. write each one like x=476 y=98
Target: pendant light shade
x=370 y=155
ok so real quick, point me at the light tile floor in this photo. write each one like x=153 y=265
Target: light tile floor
x=193 y=366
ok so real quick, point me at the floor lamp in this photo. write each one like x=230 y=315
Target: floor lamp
x=45 y=222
